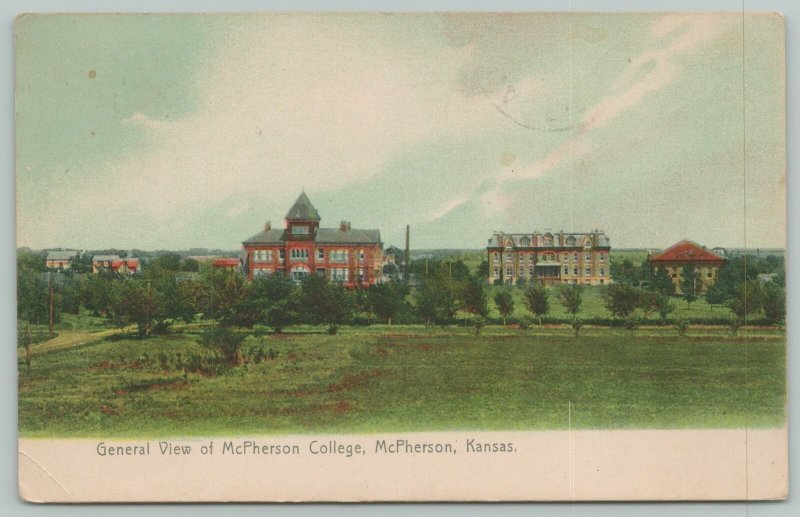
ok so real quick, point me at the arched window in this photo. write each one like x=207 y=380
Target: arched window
x=525 y=242
x=547 y=240
x=571 y=241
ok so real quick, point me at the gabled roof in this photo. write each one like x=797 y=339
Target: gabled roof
x=61 y=255
x=688 y=252
x=104 y=258
x=350 y=236
x=302 y=209
x=266 y=237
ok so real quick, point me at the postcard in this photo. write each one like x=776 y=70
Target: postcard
x=401 y=257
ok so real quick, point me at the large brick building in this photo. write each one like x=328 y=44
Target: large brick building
x=301 y=248
x=684 y=254
x=549 y=258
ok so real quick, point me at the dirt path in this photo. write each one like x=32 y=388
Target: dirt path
x=68 y=339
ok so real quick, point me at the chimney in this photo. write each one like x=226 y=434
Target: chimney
x=348 y=225
x=343 y=226
x=267 y=226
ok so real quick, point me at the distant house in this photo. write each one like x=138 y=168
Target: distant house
x=59 y=259
x=684 y=254
x=115 y=263
x=234 y=264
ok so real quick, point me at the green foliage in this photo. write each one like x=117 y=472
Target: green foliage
x=478 y=322
x=660 y=282
x=324 y=302
x=571 y=297
x=536 y=300
x=576 y=327
x=473 y=297
x=773 y=301
x=664 y=307
x=625 y=272
x=681 y=326
x=436 y=300
x=387 y=300
x=746 y=299
x=690 y=284
x=226 y=342
x=621 y=299
x=648 y=302
x=504 y=301
x=717 y=294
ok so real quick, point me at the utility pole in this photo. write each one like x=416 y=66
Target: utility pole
x=408 y=252
x=52 y=302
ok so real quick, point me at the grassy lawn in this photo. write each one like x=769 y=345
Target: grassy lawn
x=410 y=379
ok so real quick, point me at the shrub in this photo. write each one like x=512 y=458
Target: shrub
x=226 y=342
x=681 y=326
x=333 y=329
x=577 y=326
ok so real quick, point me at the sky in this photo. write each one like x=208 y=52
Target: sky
x=179 y=131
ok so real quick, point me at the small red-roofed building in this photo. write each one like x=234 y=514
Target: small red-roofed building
x=686 y=253
x=115 y=263
x=234 y=264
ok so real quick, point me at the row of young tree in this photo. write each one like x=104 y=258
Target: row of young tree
x=163 y=294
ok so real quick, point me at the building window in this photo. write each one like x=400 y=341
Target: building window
x=496 y=256
x=509 y=271
x=496 y=272
x=509 y=257
x=530 y=270
x=298 y=274
x=282 y=255
x=602 y=257
x=337 y=256
x=587 y=256
x=320 y=254
x=587 y=271
x=710 y=273
x=263 y=256
x=300 y=229
x=575 y=270
x=361 y=275
x=361 y=255
x=262 y=272
x=602 y=271
x=575 y=256
x=566 y=270
x=339 y=274
x=566 y=256
x=299 y=254
x=321 y=272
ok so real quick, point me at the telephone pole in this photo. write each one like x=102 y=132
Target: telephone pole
x=52 y=302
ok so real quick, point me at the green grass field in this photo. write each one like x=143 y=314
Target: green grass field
x=380 y=378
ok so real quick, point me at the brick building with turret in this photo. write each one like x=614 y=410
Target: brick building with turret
x=347 y=255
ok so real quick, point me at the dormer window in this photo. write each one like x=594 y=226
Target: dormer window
x=525 y=242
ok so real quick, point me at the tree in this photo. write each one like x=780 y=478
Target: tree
x=690 y=284
x=437 y=299
x=621 y=299
x=660 y=282
x=388 y=299
x=716 y=294
x=626 y=273
x=746 y=299
x=773 y=300
x=271 y=299
x=133 y=302
x=482 y=270
x=472 y=294
x=325 y=302
x=664 y=307
x=504 y=301
x=648 y=302
x=226 y=342
x=536 y=300
x=222 y=297
x=571 y=297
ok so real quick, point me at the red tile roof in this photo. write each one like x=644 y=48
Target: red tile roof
x=687 y=252
x=225 y=262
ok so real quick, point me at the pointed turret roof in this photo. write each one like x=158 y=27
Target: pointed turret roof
x=302 y=209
